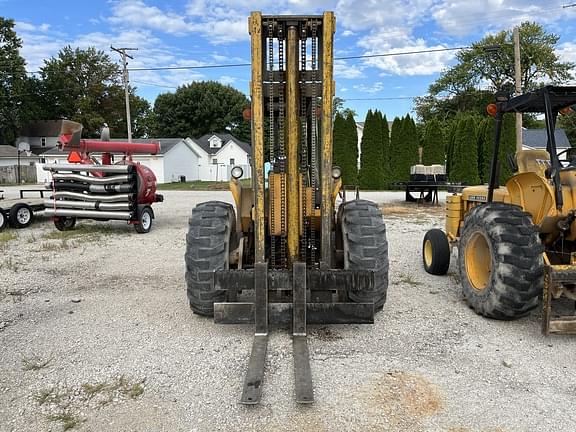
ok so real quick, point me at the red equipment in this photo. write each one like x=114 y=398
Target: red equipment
x=78 y=196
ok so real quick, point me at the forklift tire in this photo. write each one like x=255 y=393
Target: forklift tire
x=500 y=261
x=436 y=252
x=145 y=217
x=21 y=216
x=207 y=249
x=3 y=220
x=65 y=223
x=365 y=247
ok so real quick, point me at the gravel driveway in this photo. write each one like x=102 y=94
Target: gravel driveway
x=96 y=335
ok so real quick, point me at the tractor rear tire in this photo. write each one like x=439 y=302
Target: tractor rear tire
x=436 y=252
x=500 y=261
x=365 y=247
x=210 y=229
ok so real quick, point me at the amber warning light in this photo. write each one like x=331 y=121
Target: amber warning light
x=492 y=109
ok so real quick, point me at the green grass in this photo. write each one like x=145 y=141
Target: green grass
x=202 y=185
x=34 y=363
x=68 y=420
x=408 y=280
x=6 y=237
x=121 y=386
x=86 y=231
x=9 y=263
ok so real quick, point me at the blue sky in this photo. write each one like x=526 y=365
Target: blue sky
x=207 y=32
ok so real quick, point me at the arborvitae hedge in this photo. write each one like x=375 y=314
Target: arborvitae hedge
x=370 y=176
x=345 y=149
x=386 y=151
x=465 y=157
x=395 y=146
x=480 y=144
x=352 y=139
x=433 y=145
x=507 y=146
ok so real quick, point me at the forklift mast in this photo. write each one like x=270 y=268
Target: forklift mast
x=292 y=89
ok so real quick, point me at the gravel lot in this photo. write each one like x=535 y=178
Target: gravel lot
x=96 y=334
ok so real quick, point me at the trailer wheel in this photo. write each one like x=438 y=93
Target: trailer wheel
x=210 y=230
x=2 y=220
x=21 y=215
x=500 y=261
x=365 y=247
x=436 y=252
x=144 y=224
x=64 y=223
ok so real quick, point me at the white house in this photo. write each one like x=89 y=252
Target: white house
x=40 y=135
x=176 y=159
x=219 y=153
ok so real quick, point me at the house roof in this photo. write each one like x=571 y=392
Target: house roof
x=536 y=138
x=41 y=128
x=204 y=142
x=166 y=144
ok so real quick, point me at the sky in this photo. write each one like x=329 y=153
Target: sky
x=174 y=33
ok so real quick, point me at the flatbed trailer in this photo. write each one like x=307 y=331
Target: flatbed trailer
x=427 y=190
x=20 y=212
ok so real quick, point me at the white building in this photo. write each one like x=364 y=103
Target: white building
x=219 y=153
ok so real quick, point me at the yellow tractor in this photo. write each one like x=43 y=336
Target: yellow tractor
x=517 y=243
x=282 y=254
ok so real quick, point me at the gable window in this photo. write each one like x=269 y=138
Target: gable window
x=214 y=161
x=231 y=161
x=43 y=142
x=215 y=142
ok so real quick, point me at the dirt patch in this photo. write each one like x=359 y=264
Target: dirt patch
x=325 y=334
x=406 y=399
x=410 y=209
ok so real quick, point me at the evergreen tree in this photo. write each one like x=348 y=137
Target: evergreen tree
x=433 y=146
x=395 y=148
x=405 y=148
x=480 y=143
x=370 y=176
x=352 y=138
x=387 y=177
x=465 y=158
x=507 y=146
x=345 y=149
x=488 y=146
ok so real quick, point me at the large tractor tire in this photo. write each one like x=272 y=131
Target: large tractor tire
x=365 y=247
x=500 y=261
x=210 y=230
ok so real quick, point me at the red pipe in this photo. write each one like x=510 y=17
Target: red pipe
x=88 y=146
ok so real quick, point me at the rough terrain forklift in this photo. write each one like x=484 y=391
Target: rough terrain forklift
x=517 y=243
x=283 y=255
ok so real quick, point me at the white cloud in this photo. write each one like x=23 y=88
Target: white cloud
x=461 y=17
x=567 y=52
x=397 y=40
x=347 y=33
x=137 y=14
x=374 y=88
x=375 y=14
x=344 y=70
x=227 y=80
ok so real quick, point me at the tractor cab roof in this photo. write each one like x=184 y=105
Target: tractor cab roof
x=560 y=97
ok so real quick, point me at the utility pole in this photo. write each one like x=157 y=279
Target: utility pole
x=518 y=83
x=122 y=52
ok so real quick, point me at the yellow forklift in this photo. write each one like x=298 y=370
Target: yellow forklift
x=282 y=254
